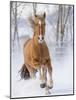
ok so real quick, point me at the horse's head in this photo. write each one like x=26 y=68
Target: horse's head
x=39 y=27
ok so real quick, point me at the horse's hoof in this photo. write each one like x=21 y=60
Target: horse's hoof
x=43 y=85
x=47 y=92
x=50 y=87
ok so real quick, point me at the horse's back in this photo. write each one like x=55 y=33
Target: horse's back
x=26 y=43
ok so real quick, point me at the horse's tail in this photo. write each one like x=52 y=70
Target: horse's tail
x=24 y=73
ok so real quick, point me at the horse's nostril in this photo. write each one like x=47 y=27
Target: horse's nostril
x=42 y=38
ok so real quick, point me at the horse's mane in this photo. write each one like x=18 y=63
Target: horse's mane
x=32 y=20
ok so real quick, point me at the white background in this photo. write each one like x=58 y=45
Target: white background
x=5 y=48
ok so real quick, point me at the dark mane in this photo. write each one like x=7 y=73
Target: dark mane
x=32 y=19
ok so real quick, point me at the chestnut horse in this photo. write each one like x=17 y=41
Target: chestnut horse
x=36 y=54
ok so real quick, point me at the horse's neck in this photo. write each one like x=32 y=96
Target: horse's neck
x=35 y=43
x=37 y=46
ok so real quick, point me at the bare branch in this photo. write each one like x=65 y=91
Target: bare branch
x=67 y=16
x=21 y=10
x=34 y=8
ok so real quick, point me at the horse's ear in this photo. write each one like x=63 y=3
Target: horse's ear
x=44 y=15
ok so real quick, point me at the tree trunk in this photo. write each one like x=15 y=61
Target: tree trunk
x=15 y=25
x=34 y=8
x=61 y=23
x=57 y=35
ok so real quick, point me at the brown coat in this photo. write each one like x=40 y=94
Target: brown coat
x=36 y=54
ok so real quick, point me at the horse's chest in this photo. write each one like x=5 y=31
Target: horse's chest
x=41 y=52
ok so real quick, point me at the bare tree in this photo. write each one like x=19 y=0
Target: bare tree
x=57 y=35
x=63 y=14
x=14 y=16
x=14 y=21
x=34 y=8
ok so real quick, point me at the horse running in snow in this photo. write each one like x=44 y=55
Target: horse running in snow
x=36 y=54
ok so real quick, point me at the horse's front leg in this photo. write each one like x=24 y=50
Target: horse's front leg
x=49 y=76
x=42 y=73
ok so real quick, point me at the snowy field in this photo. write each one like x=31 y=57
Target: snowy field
x=62 y=62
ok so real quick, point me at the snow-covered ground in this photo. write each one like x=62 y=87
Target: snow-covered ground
x=62 y=62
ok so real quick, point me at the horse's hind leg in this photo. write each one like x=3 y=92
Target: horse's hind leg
x=31 y=70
